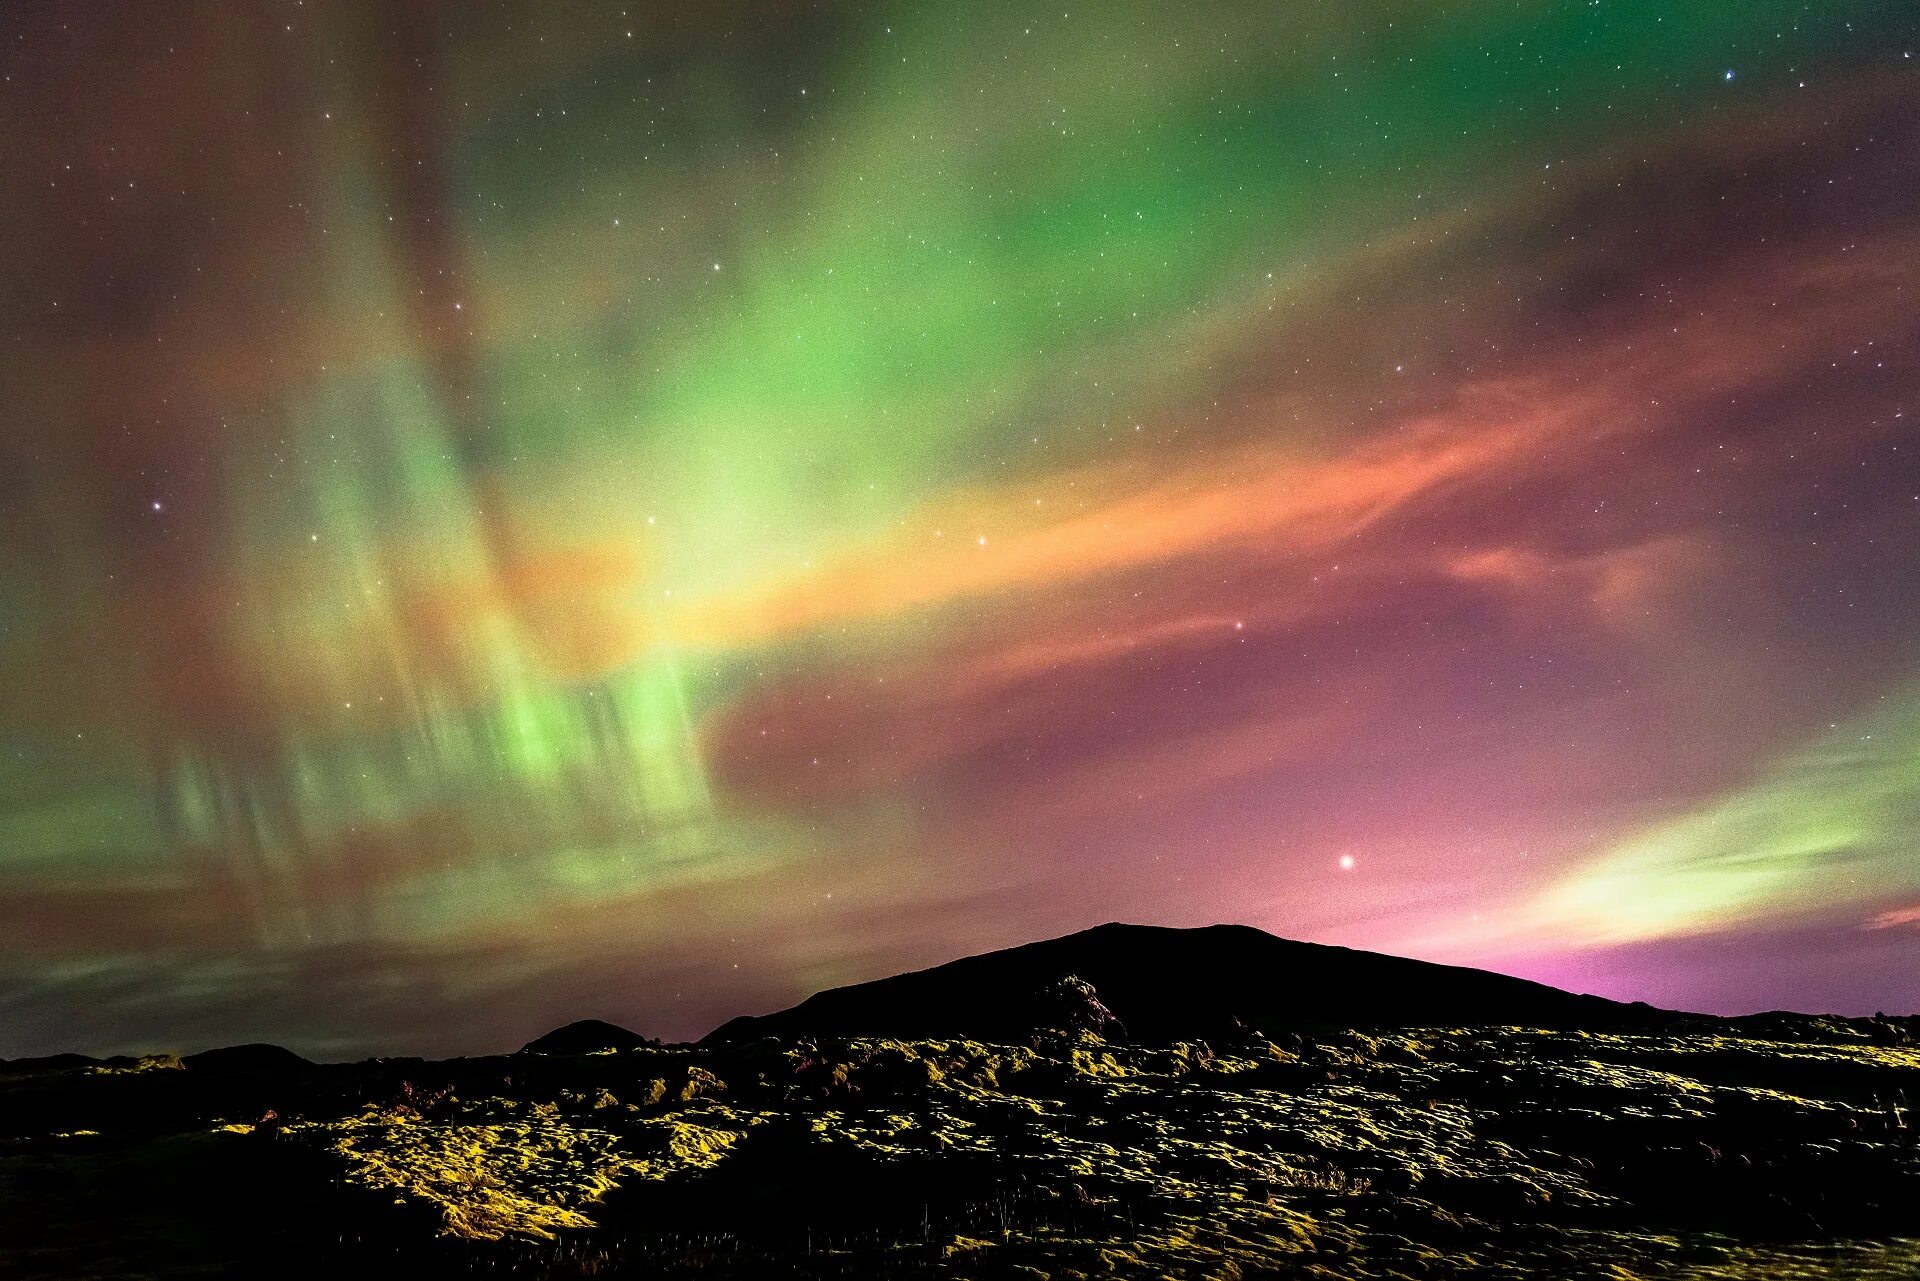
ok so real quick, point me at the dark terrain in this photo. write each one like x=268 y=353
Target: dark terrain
x=1122 y=1102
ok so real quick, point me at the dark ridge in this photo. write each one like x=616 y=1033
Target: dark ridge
x=245 y=1060
x=49 y=1063
x=1167 y=984
x=587 y=1036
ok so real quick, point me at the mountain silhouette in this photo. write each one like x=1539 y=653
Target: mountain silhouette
x=586 y=1036
x=1165 y=984
x=254 y=1059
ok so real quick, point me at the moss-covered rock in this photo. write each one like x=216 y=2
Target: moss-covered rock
x=1498 y=1153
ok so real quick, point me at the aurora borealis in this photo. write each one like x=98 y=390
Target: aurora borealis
x=513 y=512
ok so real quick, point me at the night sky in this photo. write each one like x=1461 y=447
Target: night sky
x=515 y=512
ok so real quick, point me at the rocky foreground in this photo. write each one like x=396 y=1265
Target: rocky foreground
x=1717 y=1151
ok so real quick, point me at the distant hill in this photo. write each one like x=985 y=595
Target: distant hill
x=587 y=1036
x=245 y=1060
x=1167 y=984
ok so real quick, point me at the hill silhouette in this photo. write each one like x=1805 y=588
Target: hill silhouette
x=251 y=1060
x=1166 y=984
x=586 y=1036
